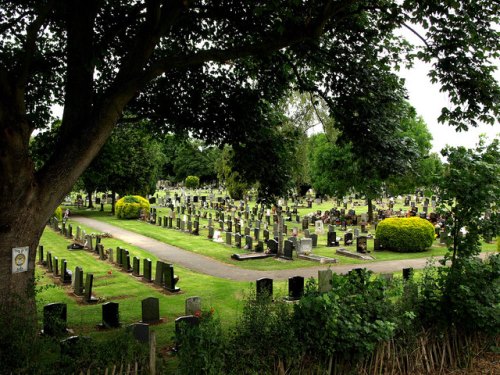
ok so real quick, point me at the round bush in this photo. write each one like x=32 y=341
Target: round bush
x=130 y=206
x=192 y=182
x=405 y=234
x=58 y=213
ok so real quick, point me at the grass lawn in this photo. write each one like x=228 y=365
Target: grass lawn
x=111 y=284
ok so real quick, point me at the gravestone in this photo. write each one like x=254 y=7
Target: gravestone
x=318 y=227
x=248 y=243
x=362 y=244
x=196 y=228
x=348 y=239
x=356 y=232
x=171 y=279
x=49 y=262
x=40 y=255
x=306 y=233
x=146 y=266
x=88 y=297
x=78 y=283
x=54 y=319
x=407 y=273
x=266 y=235
x=264 y=288
x=110 y=315
x=228 y=238
x=259 y=248
x=118 y=255
x=295 y=287
x=331 y=239
x=65 y=273
x=150 y=310
x=182 y=324
x=325 y=280
x=305 y=246
x=100 y=248
x=193 y=306
x=377 y=245
x=136 y=267
x=305 y=223
x=210 y=232
x=288 y=250
x=314 y=239
x=140 y=331
x=160 y=273
x=237 y=240
x=272 y=246
x=56 y=266
x=256 y=233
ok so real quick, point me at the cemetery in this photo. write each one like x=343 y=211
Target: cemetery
x=193 y=187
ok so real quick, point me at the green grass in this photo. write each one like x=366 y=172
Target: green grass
x=111 y=284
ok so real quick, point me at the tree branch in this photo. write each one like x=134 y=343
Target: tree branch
x=417 y=34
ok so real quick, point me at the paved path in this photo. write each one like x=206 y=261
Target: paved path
x=209 y=266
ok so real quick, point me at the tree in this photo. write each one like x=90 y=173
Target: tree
x=469 y=189
x=214 y=70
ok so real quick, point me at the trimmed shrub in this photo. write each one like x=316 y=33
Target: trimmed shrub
x=58 y=213
x=130 y=206
x=405 y=234
x=192 y=182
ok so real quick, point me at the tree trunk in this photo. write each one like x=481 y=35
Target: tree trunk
x=113 y=195
x=370 y=210
x=89 y=196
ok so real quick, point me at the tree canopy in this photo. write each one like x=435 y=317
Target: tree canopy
x=216 y=70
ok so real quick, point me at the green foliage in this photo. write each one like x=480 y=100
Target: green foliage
x=130 y=207
x=201 y=346
x=466 y=296
x=405 y=234
x=469 y=188
x=192 y=182
x=58 y=213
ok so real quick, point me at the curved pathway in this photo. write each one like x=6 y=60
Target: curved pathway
x=209 y=266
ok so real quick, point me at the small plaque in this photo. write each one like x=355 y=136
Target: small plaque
x=20 y=259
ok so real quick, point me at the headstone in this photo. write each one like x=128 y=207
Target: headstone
x=376 y=245
x=237 y=240
x=362 y=244
x=348 y=239
x=193 y=305
x=305 y=223
x=248 y=243
x=136 y=265
x=54 y=319
x=100 y=248
x=140 y=331
x=264 y=288
x=288 y=250
x=314 y=239
x=407 y=273
x=295 y=287
x=146 y=266
x=56 y=267
x=150 y=310
x=89 y=280
x=171 y=279
x=65 y=273
x=118 y=255
x=40 y=255
x=325 y=280
x=228 y=238
x=318 y=227
x=272 y=246
x=110 y=315
x=331 y=239
x=210 y=232
x=78 y=281
x=160 y=272
x=306 y=233
x=50 y=268
x=259 y=248
x=305 y=246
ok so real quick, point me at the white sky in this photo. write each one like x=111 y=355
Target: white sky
x=428 y=101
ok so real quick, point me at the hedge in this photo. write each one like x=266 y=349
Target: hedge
x=405 y=234
x=130 y=206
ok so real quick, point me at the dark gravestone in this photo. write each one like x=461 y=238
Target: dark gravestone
x=100 y=249
x=362 y=244
x=348 y=239
x=210 y=232
x=256 y=234
x=228 y=238
x=272 y=246
x=65 y=273
x=140 y=332
x=146 y=266
x=295 y=287
x=49 y=262
x=119 y=255
x=305 y=223
x=73 y=346
x=376 y=245
x=331 y=240
x=288 y=250
x=171 y=279
x=196 y=228
x=306 y=233
x=266 y=235
x=178 y=223
x=237 y=240
x=159 y=221
x=54 y=319
x=160 y=272
x=259 y=248
x=314 y=238
x=407 y=273
x=182 y=325
x=247 y=231
x=264 y=288
x=40 y=255
x=56 y=267
x=150 y=310
x=248 y=243
x=89 y=281
x=136 y=268
x=78 y=284
x=110 y=315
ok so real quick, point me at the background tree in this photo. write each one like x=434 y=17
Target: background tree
x=200 y=69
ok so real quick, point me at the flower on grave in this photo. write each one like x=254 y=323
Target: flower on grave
x=197 y=314
x=110 y=272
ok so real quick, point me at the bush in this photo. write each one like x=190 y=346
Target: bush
x=130 y=206
x=405 y=234
x=58 y=213
x=192 y=182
